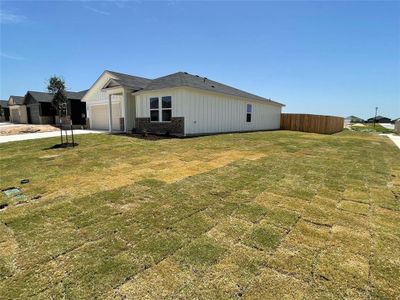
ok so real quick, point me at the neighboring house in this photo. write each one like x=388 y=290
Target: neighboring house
x=379 y=119
x=397 y=126
x=41 y=111
x=4 y=111
x=17 y=110
x=353 y=119
x=395 y=120
x=179 y=104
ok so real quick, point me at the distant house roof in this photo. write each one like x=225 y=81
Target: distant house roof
x=48 y=97
x=18 y=100
x=3 y=103
x=179 y=79
x=354 y=119
x=378 y=118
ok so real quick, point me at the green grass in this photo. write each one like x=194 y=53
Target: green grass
x=256 y=215
x=371 y=128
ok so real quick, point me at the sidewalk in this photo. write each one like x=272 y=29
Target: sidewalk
x=41 y=135
x=395 y=139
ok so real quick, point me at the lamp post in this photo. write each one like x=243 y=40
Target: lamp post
x=376 y=112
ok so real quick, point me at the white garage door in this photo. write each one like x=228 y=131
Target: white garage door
x=99 y=116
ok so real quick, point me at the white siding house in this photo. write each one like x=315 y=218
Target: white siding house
x=179 y=104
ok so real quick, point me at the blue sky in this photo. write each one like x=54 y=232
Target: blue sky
x=337 y=58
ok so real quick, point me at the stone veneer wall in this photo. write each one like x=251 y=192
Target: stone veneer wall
x=175 y=127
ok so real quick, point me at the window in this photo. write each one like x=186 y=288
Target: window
x=154 y=111
x=248 y=112
x=166 y=109
x=161 y=109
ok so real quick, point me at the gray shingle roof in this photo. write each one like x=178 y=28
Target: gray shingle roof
x=47 y=97
x=3 y=103
x=133 y=82
x=19 y=100
x=181 y=79
x=378 y=118
x=189 y=80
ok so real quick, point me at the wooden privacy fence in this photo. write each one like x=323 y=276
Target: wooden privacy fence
x=312 y=123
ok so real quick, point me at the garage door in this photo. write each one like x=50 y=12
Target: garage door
x=99 y=116
x=15 y=115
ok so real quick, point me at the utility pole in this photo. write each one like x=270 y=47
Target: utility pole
x=376 y=112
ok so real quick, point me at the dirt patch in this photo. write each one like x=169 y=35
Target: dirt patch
x=26 y=128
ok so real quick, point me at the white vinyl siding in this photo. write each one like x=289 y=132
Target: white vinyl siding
x=206 y=112
x=97 y=116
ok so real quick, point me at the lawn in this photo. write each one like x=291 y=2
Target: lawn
x=284 y=215
x=368 y=127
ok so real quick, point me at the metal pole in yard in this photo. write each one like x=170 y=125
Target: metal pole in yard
x=376 y=112
x=62 y=142
x=72 y=134
x=66 y=134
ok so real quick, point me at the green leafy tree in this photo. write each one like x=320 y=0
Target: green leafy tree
x=56 y=86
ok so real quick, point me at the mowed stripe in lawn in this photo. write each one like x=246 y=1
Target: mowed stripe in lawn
x=311 y=216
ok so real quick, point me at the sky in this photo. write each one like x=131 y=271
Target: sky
x=321 y=57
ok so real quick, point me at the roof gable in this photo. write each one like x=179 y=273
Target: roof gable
x=16 y=100
x=119 y=79
x=129 y=81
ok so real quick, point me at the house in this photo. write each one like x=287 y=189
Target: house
x=397 y=126
x=17 y=110
x=378 y=119
x=4 y=111
x=395 y=120
x=178 y=104
x=40 y=109
x=353 y=119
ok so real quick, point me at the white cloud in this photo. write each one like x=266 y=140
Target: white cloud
x=98 y=11
x=10 y=18
x=2 y=54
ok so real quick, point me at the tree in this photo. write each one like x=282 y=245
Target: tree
x=56 y=87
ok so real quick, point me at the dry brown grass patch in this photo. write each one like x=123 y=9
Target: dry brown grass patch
x=169 y=168
x=354 y=207
x=274 y=285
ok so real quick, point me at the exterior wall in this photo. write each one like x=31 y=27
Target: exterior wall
x=34 y=113
x=18 y=114
x=397 y=127
x=4 y=114
x=98 y=97
x=47 y=120
x=175 y=127
x=206 y=112
x=131 y=113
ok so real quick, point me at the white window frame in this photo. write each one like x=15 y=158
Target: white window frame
x=160 y=109
x=249 y=113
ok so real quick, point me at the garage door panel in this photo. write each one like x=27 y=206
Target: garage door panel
x=99 y=117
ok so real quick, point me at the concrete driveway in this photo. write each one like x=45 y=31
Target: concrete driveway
x=41 y=135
